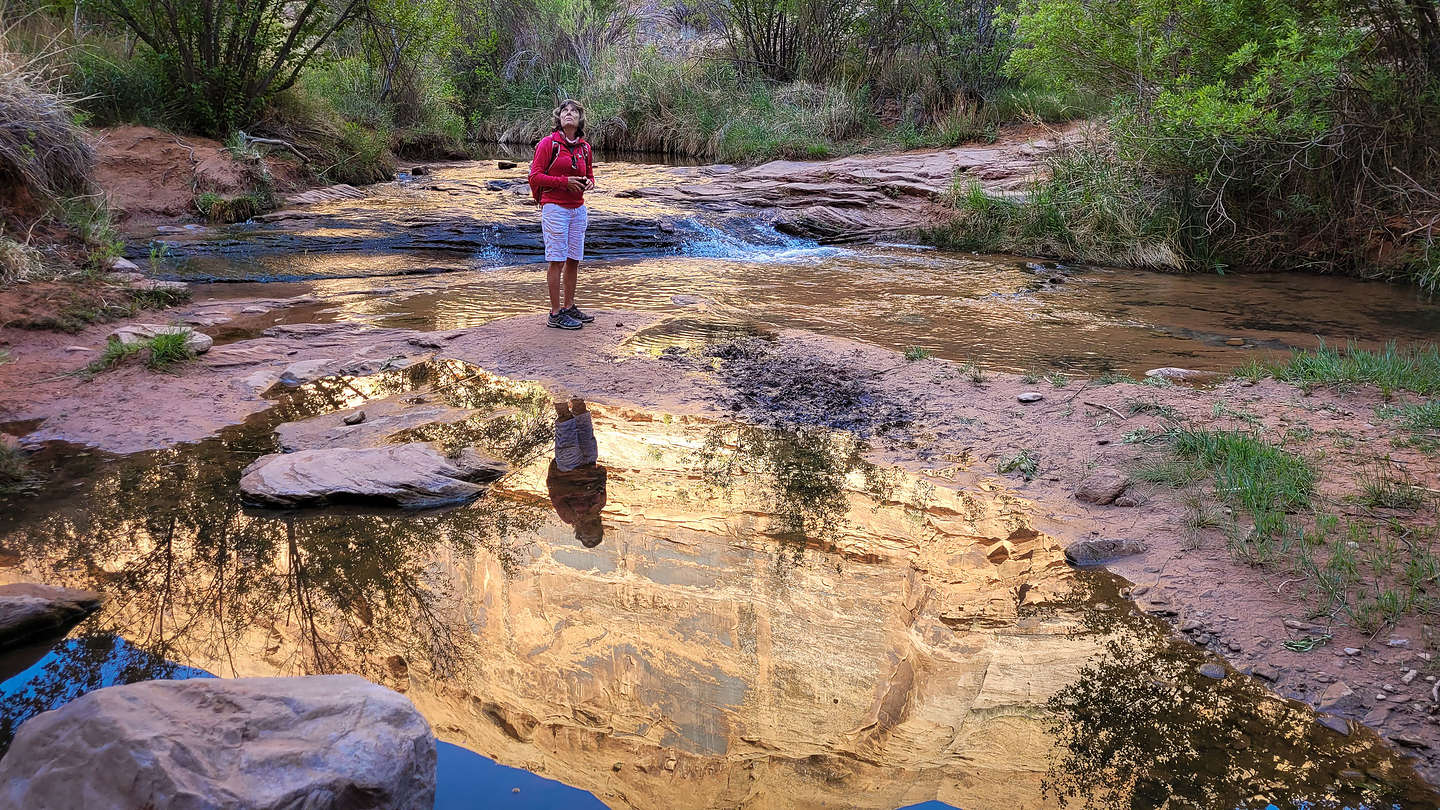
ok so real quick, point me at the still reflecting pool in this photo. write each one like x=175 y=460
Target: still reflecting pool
x=771 y=620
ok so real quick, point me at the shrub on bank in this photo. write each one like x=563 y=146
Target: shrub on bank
x=1092 y=207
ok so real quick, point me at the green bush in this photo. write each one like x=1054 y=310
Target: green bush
x=1093 y=207
x=113 y=88
x=1299 y=133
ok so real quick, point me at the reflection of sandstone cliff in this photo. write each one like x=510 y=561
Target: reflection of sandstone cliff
x=720 y=663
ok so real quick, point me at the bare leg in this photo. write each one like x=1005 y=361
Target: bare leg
x=553 y=279
x=572 y=271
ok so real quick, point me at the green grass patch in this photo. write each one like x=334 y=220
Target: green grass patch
x=1420 y=421
x=160 y=353
x=1393 y=368
x=917 y=353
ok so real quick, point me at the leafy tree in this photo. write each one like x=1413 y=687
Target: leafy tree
x=227 y=58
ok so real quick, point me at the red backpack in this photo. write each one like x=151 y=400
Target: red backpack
x=536 y=191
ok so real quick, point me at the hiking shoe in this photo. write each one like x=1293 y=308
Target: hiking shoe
x=575 y=313
x=562 y=320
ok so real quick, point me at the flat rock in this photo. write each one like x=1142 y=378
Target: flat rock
x=1085 y=553
x=1173 y=373
x=1339 y=697
x=323 y=742
x=413 y=475
x=383 y=420
x=197 y=342
x=1339 y=725
x=305 y=371
x=505 y=164
x=120 y=264
x=1211 y=669
x=1102 y=486
x=1030 y=396
x=29 y=612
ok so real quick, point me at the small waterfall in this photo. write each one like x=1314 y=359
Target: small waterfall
x=750 y=239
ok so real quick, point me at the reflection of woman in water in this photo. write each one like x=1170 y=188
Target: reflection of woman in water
x=575 y=482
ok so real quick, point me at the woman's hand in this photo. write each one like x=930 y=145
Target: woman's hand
x=589 y=184
x=577 y=184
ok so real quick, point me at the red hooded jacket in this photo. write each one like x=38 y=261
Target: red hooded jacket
x=572 y=160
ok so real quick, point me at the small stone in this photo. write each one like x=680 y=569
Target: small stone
x=1235 y=342
x=419 y=171
x=1295 y=625
x=1235 y=646
x=1388 y=687
x=1338 y=697
x=354 y=418
x=1352 y=650
x=1376 y=716
x=1030 y=396
x=670 y=764
x=1339 y=725
x=1140 y=590
x=74 y=349
x=508 y=164
x=120 y=264
x=1409 y=676
x=1380 y=696
x=1189 y=625
x=1265 y=672
x=1211 y=669
x=1102 y=486
x=1408 y=741
x=1398 y=642
x=1202 y=639
x=1127 y=500
x=616 y=767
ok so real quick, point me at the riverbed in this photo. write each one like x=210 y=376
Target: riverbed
x=774 y=617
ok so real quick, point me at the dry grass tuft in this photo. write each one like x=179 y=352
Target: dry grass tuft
x=42 y=148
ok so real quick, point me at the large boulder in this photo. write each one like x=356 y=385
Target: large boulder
x=196 y=342
x=29 y=612
x=410 y=475
x=320 y=743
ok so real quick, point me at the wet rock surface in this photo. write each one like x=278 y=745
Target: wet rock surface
x=865 y=196
x=414 y=475
x=30 y=612
x=1087 y=553
x=333 y=742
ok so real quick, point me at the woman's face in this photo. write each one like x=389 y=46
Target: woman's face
x=569 y=117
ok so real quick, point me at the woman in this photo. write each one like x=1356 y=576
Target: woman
x=560 y=175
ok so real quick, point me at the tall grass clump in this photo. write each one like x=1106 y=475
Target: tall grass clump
x=43 y=152
x=1091 y=207
x=1393 y=368
x=1421 y=420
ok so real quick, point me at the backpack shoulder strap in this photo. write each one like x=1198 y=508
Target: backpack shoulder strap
x=554 y=153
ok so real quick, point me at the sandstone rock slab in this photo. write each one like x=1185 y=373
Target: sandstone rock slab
x=414 y=475
x=28 y=612
x=197 y=342
x=321 y=743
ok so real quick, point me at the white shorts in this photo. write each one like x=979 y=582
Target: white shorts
x=564 y=230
